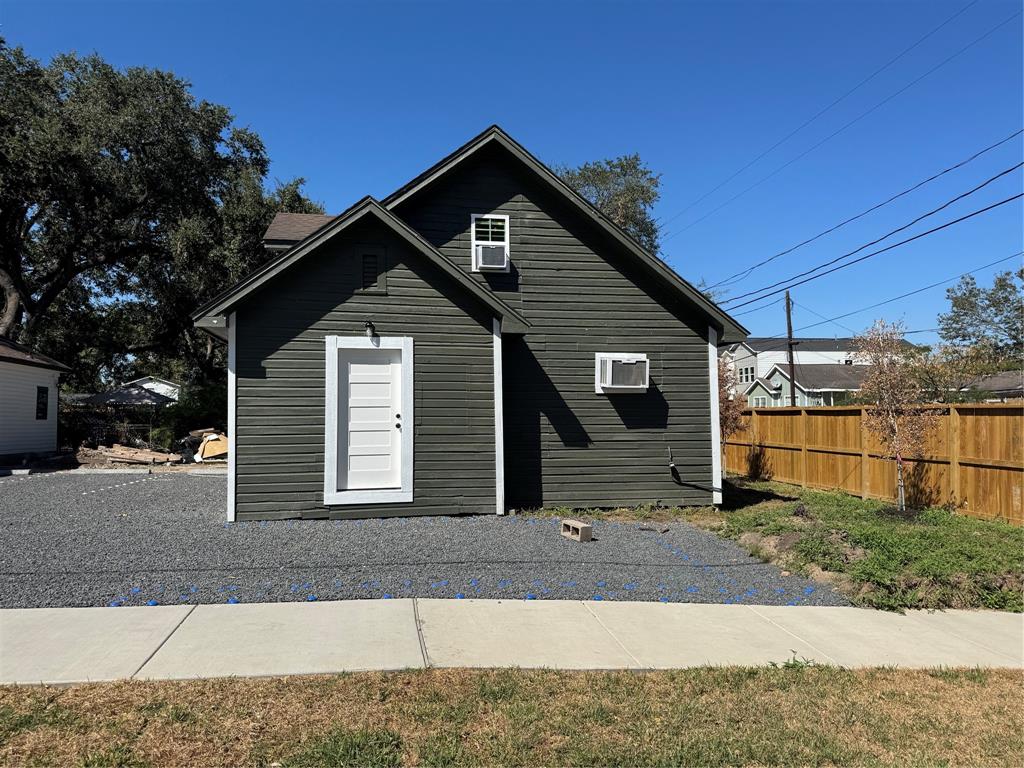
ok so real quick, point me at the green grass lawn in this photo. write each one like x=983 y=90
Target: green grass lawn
x=789 y=715
x=933 y=558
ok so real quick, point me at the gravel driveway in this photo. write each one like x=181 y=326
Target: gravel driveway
x=134 y=539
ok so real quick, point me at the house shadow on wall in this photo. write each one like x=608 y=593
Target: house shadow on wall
x=642 y=410
x=531 y=397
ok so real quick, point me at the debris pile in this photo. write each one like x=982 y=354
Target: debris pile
x=123 y=454
x=213 y=446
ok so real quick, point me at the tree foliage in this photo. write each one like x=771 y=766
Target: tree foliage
x=124 y=203
x=990 y=320
x=625 y=190
x=895 y=417
x=730 y=403
x=948 y=373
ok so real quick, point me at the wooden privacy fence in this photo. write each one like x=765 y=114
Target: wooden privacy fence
x=974 y=460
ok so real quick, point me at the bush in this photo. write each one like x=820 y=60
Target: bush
x=198 y=407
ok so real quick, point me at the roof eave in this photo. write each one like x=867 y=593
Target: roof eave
x=211 y=317
x=731 y=331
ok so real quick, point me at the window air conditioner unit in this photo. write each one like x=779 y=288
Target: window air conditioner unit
x=620 y=373
x=491 y=258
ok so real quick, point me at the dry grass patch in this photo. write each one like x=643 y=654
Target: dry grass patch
x=738 y=716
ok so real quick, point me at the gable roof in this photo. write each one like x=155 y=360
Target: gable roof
x=289 y=228
x=1004 y=381
x=767 y=385
x=807 y=344
x=815 y=378
x=156 y=379
x=732 y=330
x=12 y=352
x=208 y=316
x=127 y=394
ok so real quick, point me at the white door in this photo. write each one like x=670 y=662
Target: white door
x=370 y=417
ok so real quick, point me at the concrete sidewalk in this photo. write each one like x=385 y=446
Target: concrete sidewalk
x=70 y=645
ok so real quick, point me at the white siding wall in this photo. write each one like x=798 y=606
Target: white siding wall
x=20 y=431
x=739 y=360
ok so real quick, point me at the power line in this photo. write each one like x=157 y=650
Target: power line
x=971 y=215
x=914 y=292
x=743 y=273
x=818 y=114
x=835 y=133
x=911 y=293
x=758 y=309
x=826 y=319
x=876 y=240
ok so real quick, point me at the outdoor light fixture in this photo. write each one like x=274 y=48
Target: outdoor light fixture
x=370 y=330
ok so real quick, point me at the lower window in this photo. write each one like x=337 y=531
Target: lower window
x=368 y=450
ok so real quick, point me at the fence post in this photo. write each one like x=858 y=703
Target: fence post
x=803 y=447
x=865 y=457
x=954 y=454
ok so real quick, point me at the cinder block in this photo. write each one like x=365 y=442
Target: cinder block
x=575 y=530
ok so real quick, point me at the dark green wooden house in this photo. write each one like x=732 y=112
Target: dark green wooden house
x=482 y=339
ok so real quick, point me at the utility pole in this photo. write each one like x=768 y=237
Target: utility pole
x=789 y=347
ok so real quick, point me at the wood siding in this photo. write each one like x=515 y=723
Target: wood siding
x=281 y=367
x=564 y=444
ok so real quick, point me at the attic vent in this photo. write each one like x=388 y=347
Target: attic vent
x=371 y=269
x=621 y=373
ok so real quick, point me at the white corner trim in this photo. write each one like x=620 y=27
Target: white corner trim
x=499 y=423
x=716 y=427
x=332 y=494
x=232 y=413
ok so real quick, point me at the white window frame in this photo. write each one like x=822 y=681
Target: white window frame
x=403 y=494
x=763 y=401
x=601 y=389
x=473 y=241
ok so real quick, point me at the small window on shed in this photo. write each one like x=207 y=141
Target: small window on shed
x=42 y=403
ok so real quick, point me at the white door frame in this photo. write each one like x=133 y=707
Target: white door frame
x=332 y=495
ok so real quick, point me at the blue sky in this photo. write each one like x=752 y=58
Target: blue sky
x=360 y=97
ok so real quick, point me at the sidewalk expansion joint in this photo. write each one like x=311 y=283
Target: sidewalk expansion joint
x=611 y=634
x=162 y=642
x=811 y=645
x=419 y=633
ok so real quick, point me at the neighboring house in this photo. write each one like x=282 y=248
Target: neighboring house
x=127 y=396
x=163 y=387
x=28 y=402
x=754 y=357
x=481 y=339
x=823 y=384
x=1000 y=387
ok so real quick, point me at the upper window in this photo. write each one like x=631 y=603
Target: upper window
x=746 y=375
x=490 y=242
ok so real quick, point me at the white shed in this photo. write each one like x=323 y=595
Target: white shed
x=28 y=402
